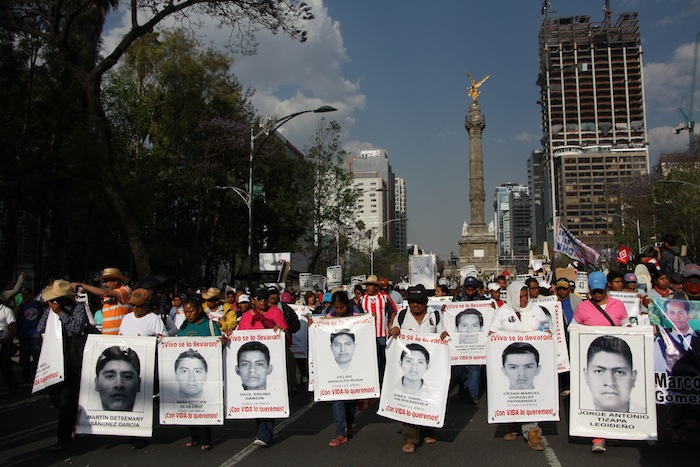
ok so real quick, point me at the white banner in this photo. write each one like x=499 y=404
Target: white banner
x=116 y=386
x=256 y=375
x=468 y=323
x=422 y=270
x=417 y=379
x=49 y=368
x=334 y=276
x=565 y=242
x=612 y=382
x=556 y=316
x=191 y=378
x=631 y=301
x=300 y=339
x=521 y=371
x=582 y=283
x=345 y=358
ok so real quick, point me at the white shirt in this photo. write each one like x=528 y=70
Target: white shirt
x=148 y=325
x=7 y=317
x=506 y=320
x=427 y=326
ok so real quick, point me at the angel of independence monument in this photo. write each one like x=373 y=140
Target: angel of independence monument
x=478 y=245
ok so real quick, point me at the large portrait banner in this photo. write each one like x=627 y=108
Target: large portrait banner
x=344 y=358
x=468 y=324
x=521 y=371
x=612 y=382
x=256 y=375
x=552 y=308
x=676 y=351
x=116 y=386
x=191 y=380
x=417 y=379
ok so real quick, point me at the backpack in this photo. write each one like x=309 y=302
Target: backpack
x=679 y=262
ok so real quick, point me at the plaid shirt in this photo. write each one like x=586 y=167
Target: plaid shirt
x=73 y=319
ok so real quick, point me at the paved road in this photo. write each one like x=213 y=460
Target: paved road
x=29 y=423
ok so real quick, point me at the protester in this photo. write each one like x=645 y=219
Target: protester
x=243 y=305
x=198 y=324
x=115 y=296
x=229 y=320
x=64 y=395
x=311 y=303
x=422 y=320
x=666 y=254
x=177 y=312
x=11 y=289
x=616 y=281
x=382 y=308
x=343 y=411
x=214 y=306
x=357 y=293
x=8 y=331
x=28 y=314
x=143 y=321
x=495 y=293
x=520 y=314
x=264 y=316
x=293 y=325
x=601 y=310
x=533 y=287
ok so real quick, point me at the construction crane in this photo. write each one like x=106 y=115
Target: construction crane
x=689 y=123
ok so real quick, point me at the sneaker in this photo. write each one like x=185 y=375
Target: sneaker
x=261 y=443
x=512 y=436
x=598 y=445
x=565 y=393
x=534 y=439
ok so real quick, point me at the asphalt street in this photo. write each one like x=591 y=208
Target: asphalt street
x=29 y=424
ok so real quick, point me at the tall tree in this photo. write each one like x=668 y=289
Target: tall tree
x=71 y=30
x=334 y=197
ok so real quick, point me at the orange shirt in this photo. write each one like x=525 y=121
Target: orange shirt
x=114 y=309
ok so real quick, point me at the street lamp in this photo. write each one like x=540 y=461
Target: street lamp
x=247 y=196
x=680 y=182
x=376 y=231
x=635 y=223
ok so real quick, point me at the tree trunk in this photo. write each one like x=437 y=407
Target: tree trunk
x=113 y=189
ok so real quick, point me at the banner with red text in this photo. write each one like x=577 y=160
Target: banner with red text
x=612 y=382
x=191 y=380
x=49 y=369
x=522 y=377
x=256 y=375
x=468 y=324
x=344 y=358
x=417 y=379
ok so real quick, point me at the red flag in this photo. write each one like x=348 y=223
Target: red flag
x=623 y=255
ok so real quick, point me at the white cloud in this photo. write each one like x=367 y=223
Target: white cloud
x=665 y=140
x=525 y=136
x=666 y=84
x=287 y=76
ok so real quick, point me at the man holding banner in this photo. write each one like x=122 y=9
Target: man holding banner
x=415 y=360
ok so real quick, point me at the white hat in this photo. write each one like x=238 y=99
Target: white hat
x=494 y=286
x=243 y=298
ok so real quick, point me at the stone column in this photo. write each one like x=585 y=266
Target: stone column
x=475 y=124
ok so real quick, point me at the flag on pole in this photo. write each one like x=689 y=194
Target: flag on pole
x=566 y=243
x=623 y=255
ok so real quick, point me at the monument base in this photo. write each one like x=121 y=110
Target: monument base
x=479 y=248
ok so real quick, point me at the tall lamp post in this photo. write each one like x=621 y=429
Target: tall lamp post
x=376 y=231
x=267 y=129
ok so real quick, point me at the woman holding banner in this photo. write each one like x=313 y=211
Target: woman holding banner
x=343 y=411
x=520 y=314
x=198 y=324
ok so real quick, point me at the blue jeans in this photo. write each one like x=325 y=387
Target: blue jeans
x=381 y=357
x=468 y=377
x=266 y=428
x=343 y=414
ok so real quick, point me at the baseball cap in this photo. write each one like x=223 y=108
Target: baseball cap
x=327 y=297
x=260 y=293
x=597 y=281
x=272 y=289
x=139 y=297
x=691 y=270
x=417 y=294
x=493 y=286
x=629 y=277
x=243 y=298
x=472 y=282
x=563 y=282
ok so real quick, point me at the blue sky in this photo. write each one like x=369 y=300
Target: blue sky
x=395 y=70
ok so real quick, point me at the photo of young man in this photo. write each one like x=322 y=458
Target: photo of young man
x=253 y=366
x=521 y=364
x=117 y=378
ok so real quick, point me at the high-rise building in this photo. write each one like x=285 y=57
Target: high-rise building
x=400 y=214
x=535 y=181
x=593 y=117
x=513 y=223
x=373 y=176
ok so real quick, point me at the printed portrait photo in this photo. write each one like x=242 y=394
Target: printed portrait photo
x=521 y=364
x=118 y=381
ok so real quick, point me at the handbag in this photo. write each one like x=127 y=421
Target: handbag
x=607 y=316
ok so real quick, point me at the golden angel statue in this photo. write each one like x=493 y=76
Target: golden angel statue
x=474 y=89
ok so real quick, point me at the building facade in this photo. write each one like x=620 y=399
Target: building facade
x=400 y=214
x=513 y=224
x=593 y=118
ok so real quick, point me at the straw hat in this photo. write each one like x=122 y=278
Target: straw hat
x=112 y=273
x=212 y=292
x=372 y=280
x=59 y=288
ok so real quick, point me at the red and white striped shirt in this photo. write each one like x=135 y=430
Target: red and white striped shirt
x=378 y=305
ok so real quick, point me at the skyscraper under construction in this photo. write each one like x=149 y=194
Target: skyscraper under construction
x=593 y=119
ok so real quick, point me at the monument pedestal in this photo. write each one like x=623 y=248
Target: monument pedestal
x=479 y=247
